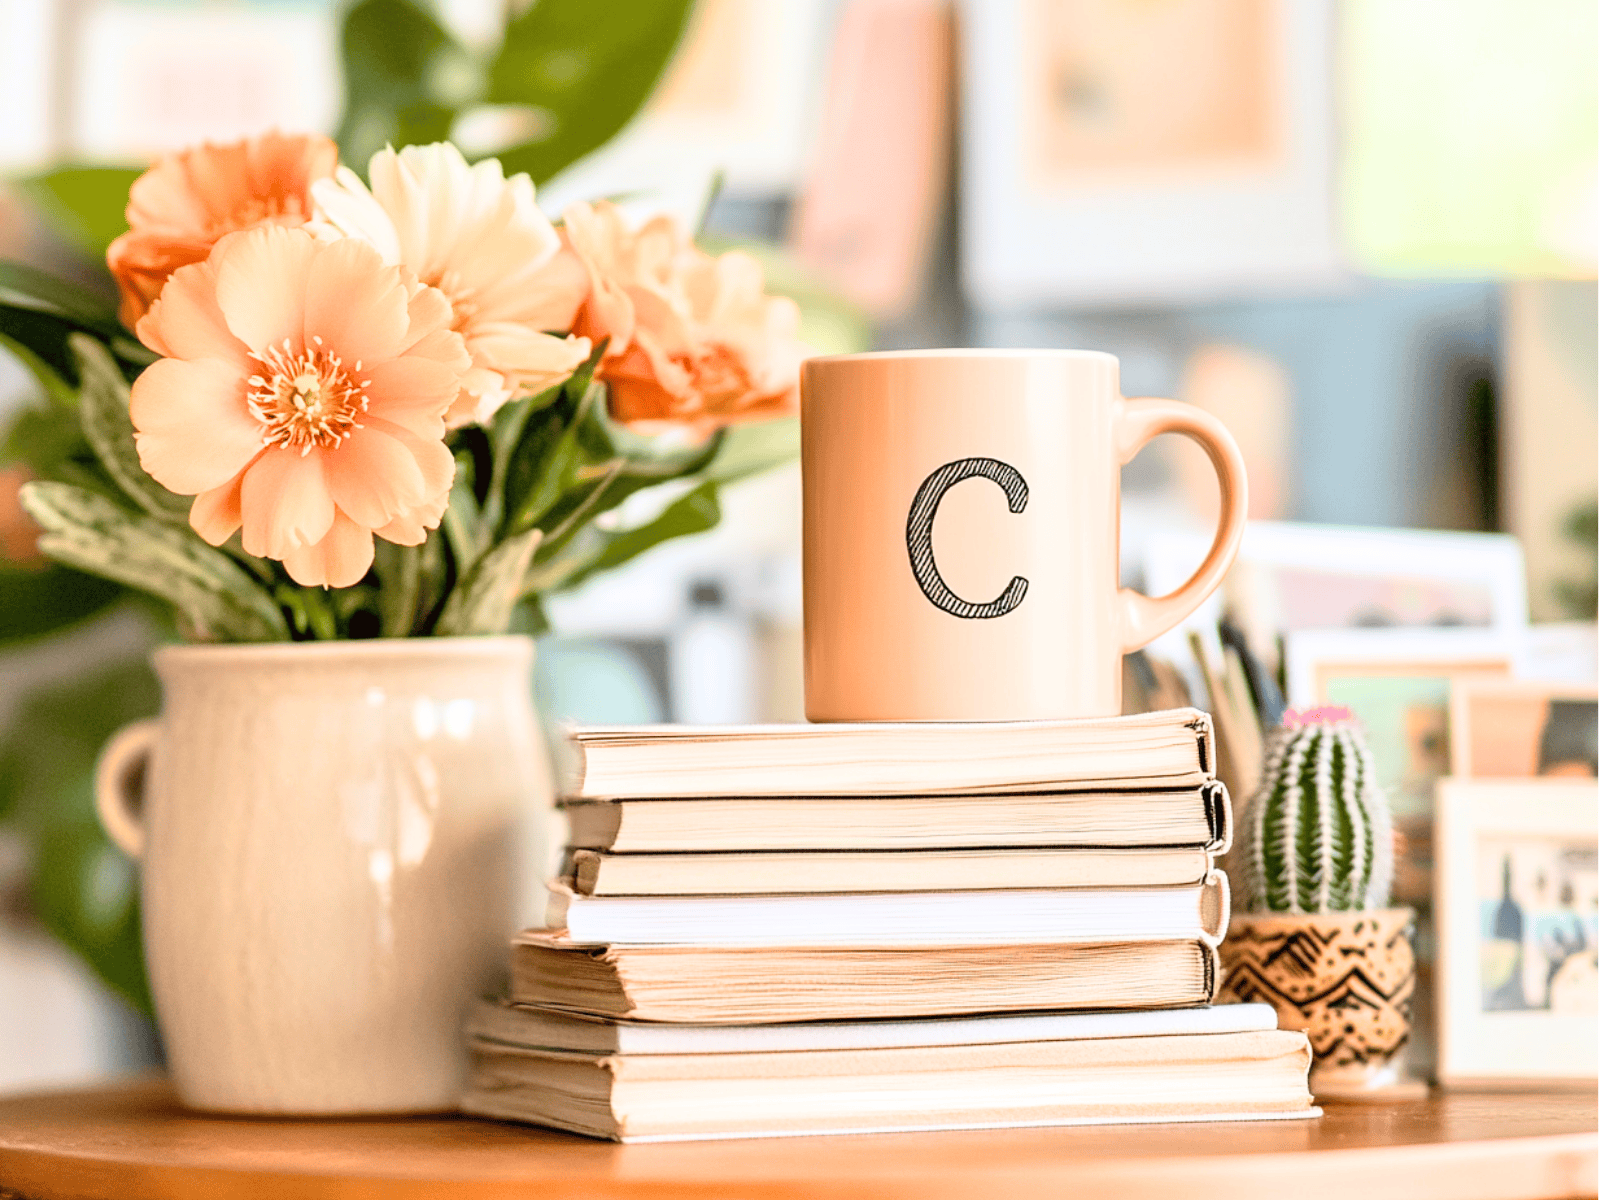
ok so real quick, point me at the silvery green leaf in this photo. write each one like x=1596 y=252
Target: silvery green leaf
x=482 y=602
x=103 y=410
x=216 y=599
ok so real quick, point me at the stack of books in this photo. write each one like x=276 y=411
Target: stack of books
x=850 y=928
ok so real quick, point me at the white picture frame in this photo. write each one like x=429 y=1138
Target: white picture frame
x=1313 y=657
x=1429 y=566
x=1162 y=219
x=1479 y=1043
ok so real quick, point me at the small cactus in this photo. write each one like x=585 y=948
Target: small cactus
x=1316 y=836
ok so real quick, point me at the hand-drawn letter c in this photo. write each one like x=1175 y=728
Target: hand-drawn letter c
x=919 y=534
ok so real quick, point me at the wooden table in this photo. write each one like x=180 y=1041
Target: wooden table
x=134 y=1142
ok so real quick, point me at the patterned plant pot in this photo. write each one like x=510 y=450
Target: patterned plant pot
x=1344 y=978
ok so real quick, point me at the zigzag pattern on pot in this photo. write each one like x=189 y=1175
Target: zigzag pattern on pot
x=1329 y=982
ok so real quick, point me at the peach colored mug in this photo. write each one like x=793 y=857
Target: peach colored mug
x=961 y=529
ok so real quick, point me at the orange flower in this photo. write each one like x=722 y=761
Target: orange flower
x=694 y=339
x=180 y=207
x=301 y=395
x=19 y=536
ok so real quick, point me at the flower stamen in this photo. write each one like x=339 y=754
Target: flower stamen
x=306 y=399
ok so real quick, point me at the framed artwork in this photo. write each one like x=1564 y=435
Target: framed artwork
x=1398 y=683
x=1512 y=729
x=1291 y=576
x=1515 y=907
x=1121 y=150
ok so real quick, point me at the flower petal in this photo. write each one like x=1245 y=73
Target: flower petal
x=373 y=477
x=432 y=457
x=284 y=503
x=414 y=392
x=193 y=430
x=186 y=322
x=358 y=306
x=339 y=559
x=345 y=203
x=261 y=283
x=411 y=529
x=141 y=260
x=214 y=515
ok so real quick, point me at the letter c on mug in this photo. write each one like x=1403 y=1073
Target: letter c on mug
x=919 y=535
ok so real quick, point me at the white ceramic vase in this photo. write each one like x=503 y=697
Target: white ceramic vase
x=334 y=837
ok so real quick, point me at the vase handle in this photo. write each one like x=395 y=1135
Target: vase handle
x=119 y=785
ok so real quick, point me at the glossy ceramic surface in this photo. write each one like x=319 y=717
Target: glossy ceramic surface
x=332 y=838
x=961 y=533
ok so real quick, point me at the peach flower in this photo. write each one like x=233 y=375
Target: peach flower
x=301 y=395
x=180 y=207
x=480 y=239
x=694 y=339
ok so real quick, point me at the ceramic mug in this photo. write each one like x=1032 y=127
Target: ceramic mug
x=961 y=533
x=329 y=837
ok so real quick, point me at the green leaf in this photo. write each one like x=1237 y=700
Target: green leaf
x=587 y=68
x=483 y=600
x=399 y=570
x=544 y=465
x=311 y=617
x=751 y=449
x=103 y=409
x=25 y=287
x=85 y=205
x=404 y=76
x=694 y=512
x=57 y=390
x=505 y=432
x=44 y=336
x=463 y=524
x=43 y=439
x=41 y=601
x=214 y=596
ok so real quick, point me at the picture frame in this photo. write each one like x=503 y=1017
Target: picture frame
x=1503 y=728
x=1129 y=153
x=1398 y=683
x=1516 y=974
x=1291 y=576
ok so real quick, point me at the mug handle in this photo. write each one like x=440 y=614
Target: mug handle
x=119 y=778
x=1143 y=618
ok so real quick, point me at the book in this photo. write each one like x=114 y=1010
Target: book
x=776 y=984
x=1090 y=915
x=1191 y=816
x=592 y=873
x=1219 y=1076
x=1161 y=749
x=504 y=1023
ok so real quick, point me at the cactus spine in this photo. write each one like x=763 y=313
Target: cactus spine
x=1316 y=837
